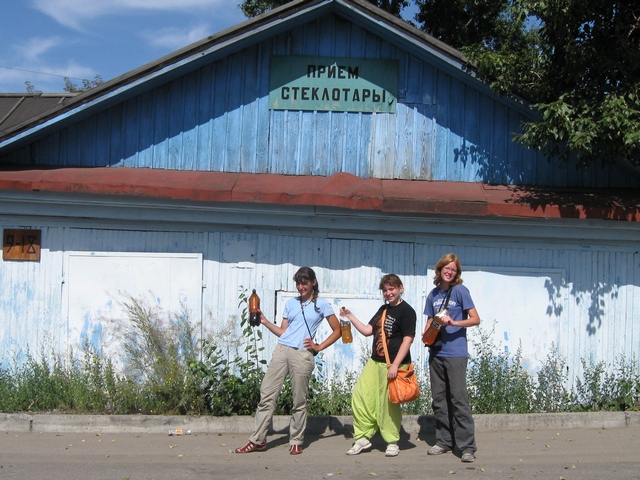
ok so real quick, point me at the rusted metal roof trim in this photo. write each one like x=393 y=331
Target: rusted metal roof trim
x=342 y=191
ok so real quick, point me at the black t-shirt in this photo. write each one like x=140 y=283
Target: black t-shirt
x=400 y=322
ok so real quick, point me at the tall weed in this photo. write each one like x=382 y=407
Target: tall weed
x=551 y=394
x=496 y=382
x=609 y=390
x=166 y=369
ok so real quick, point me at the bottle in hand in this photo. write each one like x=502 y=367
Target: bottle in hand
x=254 y=309
x=345 y=330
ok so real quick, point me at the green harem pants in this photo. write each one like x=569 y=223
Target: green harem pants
x=372 y=410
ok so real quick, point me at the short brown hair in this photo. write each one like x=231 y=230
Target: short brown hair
x=390 y=279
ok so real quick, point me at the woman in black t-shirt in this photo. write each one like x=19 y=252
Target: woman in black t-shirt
x=372 y=410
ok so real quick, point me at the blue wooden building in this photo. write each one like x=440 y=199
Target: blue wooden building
x=324 y=133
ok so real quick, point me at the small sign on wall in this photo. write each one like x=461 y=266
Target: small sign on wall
x=21 y=245
x=333 y=84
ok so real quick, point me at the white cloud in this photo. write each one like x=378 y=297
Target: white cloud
x=37 y=60
x=72 y=13
x=173 y=38
x=72 y=70
x=32 y=49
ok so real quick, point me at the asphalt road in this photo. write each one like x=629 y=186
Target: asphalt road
x=545 y=453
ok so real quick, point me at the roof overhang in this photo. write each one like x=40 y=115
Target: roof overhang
x=341 y=191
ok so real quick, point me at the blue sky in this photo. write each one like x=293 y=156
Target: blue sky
x=44 y=41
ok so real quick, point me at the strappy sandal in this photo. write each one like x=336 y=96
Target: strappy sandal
x=251 y=447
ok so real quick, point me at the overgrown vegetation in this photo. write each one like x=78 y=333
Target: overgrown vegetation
x=167 y=370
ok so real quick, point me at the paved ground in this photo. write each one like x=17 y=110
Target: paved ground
x=587 y=453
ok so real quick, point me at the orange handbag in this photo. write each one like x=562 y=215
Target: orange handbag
x=404 y=388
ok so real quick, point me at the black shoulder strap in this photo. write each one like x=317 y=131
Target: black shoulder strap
x=445 y=304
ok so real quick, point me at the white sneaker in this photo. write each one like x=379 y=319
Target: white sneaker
x=437 y=450
x=359 y=445
x=392 y=450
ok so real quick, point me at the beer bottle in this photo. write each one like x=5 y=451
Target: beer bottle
x=254 y=309
x=345 y=330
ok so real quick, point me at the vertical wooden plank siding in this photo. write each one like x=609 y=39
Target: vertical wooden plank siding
x=440 y=169
x=593 y=310
x=217 y=118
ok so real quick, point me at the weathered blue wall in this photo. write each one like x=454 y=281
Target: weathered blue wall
x=217 y=119
x=575 y=297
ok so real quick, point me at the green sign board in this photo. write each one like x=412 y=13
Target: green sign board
x=331 y=83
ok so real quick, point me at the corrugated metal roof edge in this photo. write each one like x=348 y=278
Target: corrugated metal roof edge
x=341 y=190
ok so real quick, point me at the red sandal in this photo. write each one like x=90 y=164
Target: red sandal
x=295 y=450
x=251 y=447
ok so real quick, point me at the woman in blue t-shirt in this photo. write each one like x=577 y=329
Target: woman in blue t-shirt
x=448 y=360
x=293 y=356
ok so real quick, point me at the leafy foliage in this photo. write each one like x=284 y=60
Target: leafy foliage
x=156 y=347
x=461 y=23
x=253 y=8
x=551 y=392
x=577 y=61
x=231 y=387
x=167 y=372
x=497 y=383
x=71 y=87
x=602 y=390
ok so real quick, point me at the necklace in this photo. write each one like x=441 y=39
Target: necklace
x=304 y=304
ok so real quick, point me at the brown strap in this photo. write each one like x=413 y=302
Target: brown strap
x=384 y=337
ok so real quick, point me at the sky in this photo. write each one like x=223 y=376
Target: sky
x=44 y=41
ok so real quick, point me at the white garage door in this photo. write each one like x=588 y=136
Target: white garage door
x=96 y=284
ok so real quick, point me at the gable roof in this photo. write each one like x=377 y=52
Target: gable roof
x=234 y=39
x=352 y=193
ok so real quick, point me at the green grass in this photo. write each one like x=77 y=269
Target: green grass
x=166 y=370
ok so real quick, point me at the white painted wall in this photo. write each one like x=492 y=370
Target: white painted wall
x=98 y=283
x=581 y=296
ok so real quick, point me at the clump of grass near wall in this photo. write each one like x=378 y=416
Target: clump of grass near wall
x=231 y=386
x=167 y=370
x=608 y=390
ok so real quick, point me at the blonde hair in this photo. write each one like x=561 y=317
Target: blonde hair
x=446 y=260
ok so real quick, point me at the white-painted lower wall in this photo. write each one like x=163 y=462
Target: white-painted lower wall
x=553 y=287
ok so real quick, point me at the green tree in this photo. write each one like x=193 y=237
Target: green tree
x=252 y=8
x=589 y=89
x=577 y=61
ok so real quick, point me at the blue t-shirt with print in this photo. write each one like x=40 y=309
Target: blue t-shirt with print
x=454 y=339
x=297 y=330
